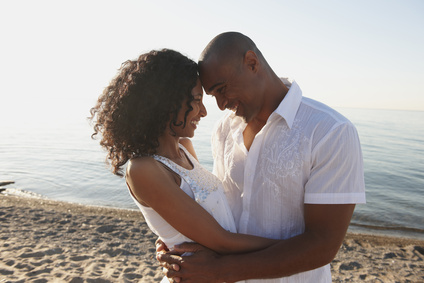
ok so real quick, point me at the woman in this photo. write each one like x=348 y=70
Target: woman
x=144 y=117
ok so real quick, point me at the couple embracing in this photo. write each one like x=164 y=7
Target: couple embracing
x=287 y=169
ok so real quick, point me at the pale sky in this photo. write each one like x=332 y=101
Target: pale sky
x=57 y=56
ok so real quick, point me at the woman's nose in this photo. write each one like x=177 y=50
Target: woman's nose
x=203 y=111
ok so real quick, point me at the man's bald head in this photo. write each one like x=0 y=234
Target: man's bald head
x=229 y=47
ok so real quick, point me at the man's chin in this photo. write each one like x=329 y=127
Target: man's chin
x=246 y=118
x=241 y=114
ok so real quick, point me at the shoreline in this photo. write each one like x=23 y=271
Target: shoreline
x=366 y=230
x=66 y=242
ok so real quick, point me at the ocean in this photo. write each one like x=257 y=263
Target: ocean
x=58 y=160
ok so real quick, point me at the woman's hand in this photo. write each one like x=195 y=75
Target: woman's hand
x=201 y=266
x=160 y=246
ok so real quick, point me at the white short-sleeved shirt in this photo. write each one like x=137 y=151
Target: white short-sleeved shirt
x=306 y=153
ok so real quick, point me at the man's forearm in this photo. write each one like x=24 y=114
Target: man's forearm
x=326 y=226
x=286 y=258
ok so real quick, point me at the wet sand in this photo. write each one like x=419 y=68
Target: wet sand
x=51 y=241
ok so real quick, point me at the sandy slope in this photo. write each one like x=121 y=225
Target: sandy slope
x=49 y=241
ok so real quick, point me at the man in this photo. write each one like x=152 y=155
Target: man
x=291 y=167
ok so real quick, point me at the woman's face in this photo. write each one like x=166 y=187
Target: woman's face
x=194 y=115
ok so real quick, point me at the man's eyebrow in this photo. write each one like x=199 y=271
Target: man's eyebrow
x=214 y=86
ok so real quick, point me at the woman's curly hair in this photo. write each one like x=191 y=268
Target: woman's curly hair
x=141 y=102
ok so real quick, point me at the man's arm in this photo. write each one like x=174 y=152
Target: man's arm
x=325 y=228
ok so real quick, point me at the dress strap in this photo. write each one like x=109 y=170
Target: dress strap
x=188 y=154
x=202 y=183
x=174 y=166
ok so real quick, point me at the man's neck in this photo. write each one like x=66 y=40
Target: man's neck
x=249 y=133
x=273 y=96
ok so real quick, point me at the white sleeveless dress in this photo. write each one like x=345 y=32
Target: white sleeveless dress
x=201 y=185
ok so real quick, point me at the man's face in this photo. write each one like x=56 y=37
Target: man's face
x=232 y=87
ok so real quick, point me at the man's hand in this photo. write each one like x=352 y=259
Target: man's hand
x=201 y=266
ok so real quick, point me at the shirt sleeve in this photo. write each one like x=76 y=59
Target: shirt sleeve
x=337 y=174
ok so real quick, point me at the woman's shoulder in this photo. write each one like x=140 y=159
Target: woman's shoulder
x=147 y=172
x=140 y=161
x=141 y=165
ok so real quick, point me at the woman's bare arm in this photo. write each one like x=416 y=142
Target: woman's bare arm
x=155 y=186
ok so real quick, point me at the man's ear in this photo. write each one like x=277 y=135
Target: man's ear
x=251 y=60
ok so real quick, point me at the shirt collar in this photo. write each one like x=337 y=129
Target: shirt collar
x=290 y=104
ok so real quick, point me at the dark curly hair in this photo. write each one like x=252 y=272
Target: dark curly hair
x=141 y=102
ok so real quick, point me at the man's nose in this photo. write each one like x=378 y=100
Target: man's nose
x=221 y=102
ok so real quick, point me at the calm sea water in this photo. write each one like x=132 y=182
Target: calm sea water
x=60 y=161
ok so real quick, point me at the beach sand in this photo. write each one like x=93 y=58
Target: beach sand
x=50 y=241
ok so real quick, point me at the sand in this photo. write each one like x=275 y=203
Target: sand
x=50 y=241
